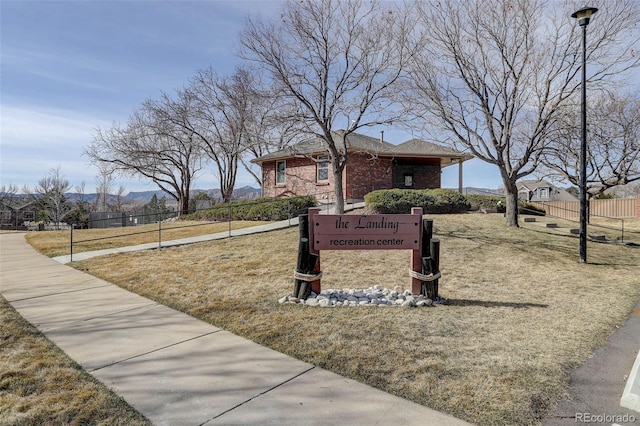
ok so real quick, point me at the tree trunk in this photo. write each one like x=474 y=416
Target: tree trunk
x=339 y=193
x=511 y=213
x=184 y=204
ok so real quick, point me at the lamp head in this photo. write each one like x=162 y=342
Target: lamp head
x=583 y=15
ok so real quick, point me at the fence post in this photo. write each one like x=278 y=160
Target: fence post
x=306 y=260
x=230 y=212
x=622 y=241
x=416 y=254
x=159 y=234
x=71 y=245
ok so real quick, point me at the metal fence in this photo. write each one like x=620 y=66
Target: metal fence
x=119 y=220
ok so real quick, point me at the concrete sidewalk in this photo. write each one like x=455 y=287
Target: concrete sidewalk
x=177 y=370
x=607 y=384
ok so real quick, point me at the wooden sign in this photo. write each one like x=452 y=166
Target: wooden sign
x=366 y=232
x=361 y=232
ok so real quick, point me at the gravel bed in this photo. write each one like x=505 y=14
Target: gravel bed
x=372 y=296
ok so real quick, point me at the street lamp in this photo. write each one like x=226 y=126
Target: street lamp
x=583 y=16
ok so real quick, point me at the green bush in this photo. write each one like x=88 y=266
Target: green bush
x=259 y=209
x=449 y=201
x=393 y=201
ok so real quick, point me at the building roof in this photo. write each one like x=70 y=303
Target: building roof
x=420 y=148
x=557 y=194
x=17 y=202
x=533 y=184
x=362 y=143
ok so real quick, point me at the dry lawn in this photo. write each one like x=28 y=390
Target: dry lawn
x=614 y=229
x=56 y=243
x=522 y=310
x=40 y=385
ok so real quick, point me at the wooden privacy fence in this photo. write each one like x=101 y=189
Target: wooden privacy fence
x=615 y=208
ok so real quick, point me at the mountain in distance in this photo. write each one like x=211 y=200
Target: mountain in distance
x=470 y=190
x=143 y=197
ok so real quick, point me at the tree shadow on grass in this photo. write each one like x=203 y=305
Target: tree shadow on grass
x=493 y=304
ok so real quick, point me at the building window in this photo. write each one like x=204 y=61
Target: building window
x=322 y=167
x=281 y=168
x=5 y=215
x=29 y=215
x=408 y=179
x=544 y=192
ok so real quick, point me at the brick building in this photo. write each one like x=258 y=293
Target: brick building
x=304 y=168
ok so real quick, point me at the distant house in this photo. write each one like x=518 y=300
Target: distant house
x=304 y=168
x=539 y=191
x=15 y=211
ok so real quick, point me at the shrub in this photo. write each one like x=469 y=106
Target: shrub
x=390 y=201
x=259 y=209
x=449 y=201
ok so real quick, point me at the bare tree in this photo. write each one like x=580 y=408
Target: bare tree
x=8 y=191
x=80 y=191
x=336 y=63
x=613 y=151
x=226 y=110
x=154 y=145
x=50 y=195
x=631 y=190
x=492 y=77
x=7 y=195
x=269 y=130
x=119 y=201
x=104 y=187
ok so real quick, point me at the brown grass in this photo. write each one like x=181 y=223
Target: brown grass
x=40 y=385
x=614 y=229
x=522 y=310
x=56 y=243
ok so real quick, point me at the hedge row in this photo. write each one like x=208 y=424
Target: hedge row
x=387 y=201
x=392 y=201
x=435 y=201
x=258 y=209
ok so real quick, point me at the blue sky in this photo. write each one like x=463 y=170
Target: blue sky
x=68 y=67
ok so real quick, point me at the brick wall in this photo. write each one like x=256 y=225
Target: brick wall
x=300 y=179
x=426 y=173
x=363 y=174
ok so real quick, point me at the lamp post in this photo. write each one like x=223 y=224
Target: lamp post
x=583 y=16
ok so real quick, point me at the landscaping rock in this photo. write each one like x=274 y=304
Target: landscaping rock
x=372 y=296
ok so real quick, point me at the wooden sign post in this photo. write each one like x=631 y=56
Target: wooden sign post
x=367 y=232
